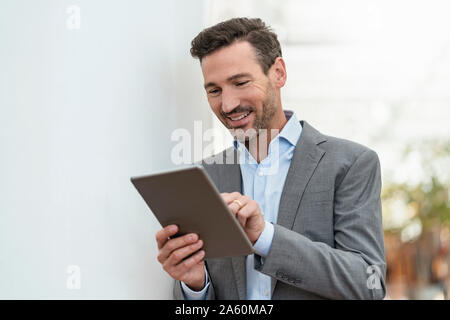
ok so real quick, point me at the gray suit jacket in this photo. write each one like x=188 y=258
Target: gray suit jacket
x=329 y=229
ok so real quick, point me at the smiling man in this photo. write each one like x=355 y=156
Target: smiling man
x=314 y=222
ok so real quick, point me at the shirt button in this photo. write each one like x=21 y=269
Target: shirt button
x=266 y=292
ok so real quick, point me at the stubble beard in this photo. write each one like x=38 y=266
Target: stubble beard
x=262 y=120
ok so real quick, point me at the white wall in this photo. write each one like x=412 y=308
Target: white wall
x=82 y=110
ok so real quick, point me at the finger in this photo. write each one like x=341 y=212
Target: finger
x=242 y=219
x=192 y=261
x=175 y=244
x=162 y=236
x=250 y=209
x=179 y=270
x=230 y=197
x=179 y=255
x=238 y=204
x=234 y=207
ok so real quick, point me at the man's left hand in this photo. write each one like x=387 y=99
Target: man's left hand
x=247 y=212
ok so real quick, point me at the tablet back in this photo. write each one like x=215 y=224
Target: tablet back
x=188 y=198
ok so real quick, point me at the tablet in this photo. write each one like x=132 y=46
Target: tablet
x=188 y=198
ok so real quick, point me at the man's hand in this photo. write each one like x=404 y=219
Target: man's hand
x=249 y=215
x=172 y=253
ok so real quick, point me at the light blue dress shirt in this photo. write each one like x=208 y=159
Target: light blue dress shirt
x=263 y=183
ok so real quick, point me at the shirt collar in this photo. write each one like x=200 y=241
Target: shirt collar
x=292 y=129
x=290 y=132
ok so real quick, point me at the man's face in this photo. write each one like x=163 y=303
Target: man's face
x=238 y=91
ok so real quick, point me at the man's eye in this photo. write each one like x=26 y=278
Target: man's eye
x=241 y=83
x=215 y=91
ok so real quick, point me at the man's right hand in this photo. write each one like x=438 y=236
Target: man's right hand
x=172 y=253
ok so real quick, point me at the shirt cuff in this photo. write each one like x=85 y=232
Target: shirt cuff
x=262 y=246
x=190 y=294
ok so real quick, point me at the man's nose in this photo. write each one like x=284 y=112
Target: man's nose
x=229 y=102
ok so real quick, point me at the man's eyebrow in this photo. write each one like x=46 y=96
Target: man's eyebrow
x=233 y=77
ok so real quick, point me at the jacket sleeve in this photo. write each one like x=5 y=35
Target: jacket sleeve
x=179 y=295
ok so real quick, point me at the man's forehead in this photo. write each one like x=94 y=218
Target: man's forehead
x=231 y=61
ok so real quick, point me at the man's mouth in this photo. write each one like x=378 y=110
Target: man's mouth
x=239 y=120
x=239 y=117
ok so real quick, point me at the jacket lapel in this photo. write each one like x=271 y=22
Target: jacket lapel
x=304 y=161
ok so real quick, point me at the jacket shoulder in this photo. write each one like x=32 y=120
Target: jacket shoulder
x=331 y=144
x=341 y=152
x=344 y=147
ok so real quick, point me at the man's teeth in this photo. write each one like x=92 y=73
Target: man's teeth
x=240 y=117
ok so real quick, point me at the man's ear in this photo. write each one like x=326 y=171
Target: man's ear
x=278 y=73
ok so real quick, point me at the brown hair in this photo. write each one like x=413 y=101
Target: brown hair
x=255 y=31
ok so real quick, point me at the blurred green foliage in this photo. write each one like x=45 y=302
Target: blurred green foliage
x=428 y=199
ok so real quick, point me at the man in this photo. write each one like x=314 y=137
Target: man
x=314 y=221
